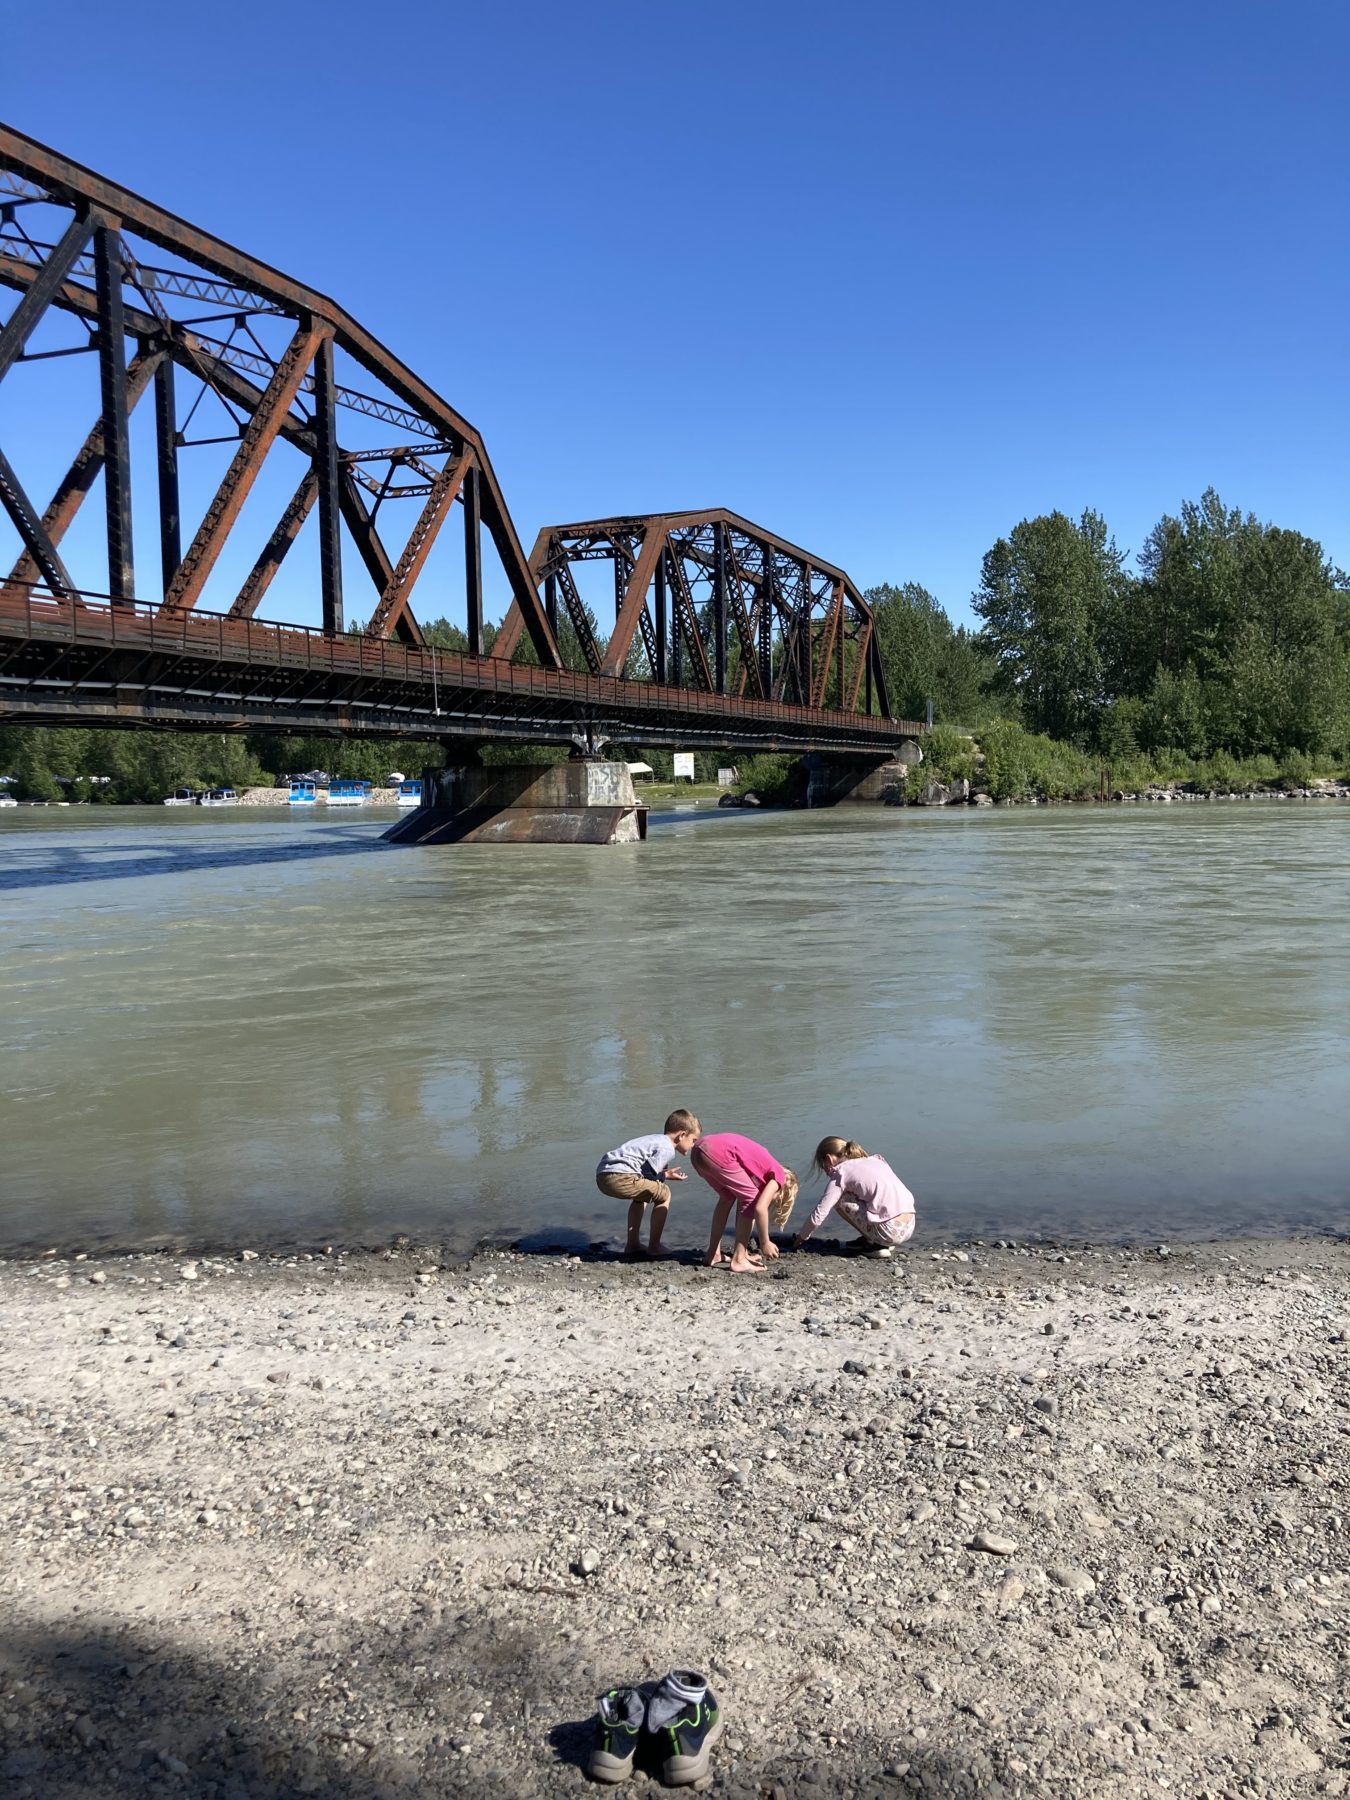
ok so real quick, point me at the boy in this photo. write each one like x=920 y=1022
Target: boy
x=633 y=1172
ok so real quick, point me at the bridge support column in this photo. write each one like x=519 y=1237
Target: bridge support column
x=525 y=803
x=834 y=779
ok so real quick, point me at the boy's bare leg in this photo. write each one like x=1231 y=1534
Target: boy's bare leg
x=742 y=1263
x=721 y=1213
x=633 y=1247
x=660 y=1213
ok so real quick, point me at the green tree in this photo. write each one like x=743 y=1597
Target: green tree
x=1255 y=617
x=1043 y=596
x=927 y=658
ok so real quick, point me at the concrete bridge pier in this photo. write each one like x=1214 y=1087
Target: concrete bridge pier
x=836 y=778
x=581 y=802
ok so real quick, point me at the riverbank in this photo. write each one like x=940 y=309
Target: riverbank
x=385 y=1523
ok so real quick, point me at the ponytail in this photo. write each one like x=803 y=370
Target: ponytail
x=836 y=1146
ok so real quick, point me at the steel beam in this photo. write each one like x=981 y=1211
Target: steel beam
x=259 y=435
x=79 y=478
x=166 y=457
x=473 y=561
x=632 y=597
x=325 y=472
x=33 y=532
x=827 y=640
x=686 y=615
x=719 y=605
x=662 y=632
x=274 y=551
x=393 y=600
x=46 y=283
x=112 y=369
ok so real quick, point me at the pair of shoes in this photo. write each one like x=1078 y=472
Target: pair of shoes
x=679 y=1718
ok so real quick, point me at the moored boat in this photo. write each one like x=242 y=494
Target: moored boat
x=303 y=793
x=409 y=793
x=348 y=793
x=219 y=797
x=181 y=797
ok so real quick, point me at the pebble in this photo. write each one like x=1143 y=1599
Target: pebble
x=1011 y=1592
x=588 y=1562
x=923 y=1511
x=991 y=1542
x=1076 y=1580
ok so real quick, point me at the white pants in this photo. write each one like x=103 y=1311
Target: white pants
x=876 y=1231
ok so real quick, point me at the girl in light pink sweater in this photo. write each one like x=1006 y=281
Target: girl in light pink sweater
x=867 y=1194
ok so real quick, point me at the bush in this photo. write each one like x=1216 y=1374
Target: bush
x=775 y=779
x=1020 y=765
x=1296 y=770
x=948 y=755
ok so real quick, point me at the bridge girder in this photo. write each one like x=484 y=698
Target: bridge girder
x=719 y=613
x=148 y=287
x=713 y=599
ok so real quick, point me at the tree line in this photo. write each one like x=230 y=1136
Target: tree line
x=1232 y=637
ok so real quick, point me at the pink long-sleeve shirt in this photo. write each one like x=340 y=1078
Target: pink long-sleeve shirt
x=737 y=1167
x=872 y=1183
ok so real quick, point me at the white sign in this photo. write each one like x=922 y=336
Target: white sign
x=684 y=765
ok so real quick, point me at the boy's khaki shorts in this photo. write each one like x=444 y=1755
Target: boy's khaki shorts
x=633 y=1187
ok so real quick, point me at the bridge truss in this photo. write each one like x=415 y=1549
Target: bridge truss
x=722 y=631
x=707 y=599
x=240 y=355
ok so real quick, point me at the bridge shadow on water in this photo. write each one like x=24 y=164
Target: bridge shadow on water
x=30 y=863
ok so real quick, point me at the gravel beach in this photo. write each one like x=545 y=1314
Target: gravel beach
x=975 y=1521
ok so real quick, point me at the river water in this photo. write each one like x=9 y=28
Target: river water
x=236 y=1028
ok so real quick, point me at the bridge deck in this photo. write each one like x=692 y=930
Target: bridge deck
x=80 y=661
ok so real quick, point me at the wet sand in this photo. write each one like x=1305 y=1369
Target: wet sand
x=386 y=1523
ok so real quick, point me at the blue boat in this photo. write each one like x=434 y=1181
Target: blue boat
x=303 y=793
x=348 y=793
x=409 y=793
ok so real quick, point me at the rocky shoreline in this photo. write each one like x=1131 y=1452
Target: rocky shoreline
x=978 y=1521
x=960 y=793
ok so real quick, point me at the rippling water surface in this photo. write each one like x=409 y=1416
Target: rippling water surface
x=240 y=1029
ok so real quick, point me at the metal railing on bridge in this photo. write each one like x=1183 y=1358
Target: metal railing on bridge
x=72 y=658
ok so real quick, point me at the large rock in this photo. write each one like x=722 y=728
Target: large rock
x=944 y=793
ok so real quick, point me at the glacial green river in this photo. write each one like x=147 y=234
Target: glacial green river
x=243 y=1029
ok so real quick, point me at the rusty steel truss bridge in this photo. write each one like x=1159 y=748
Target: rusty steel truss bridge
x=722 y=634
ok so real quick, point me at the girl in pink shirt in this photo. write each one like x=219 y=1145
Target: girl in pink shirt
x=867 y=1193
x=745 y=1176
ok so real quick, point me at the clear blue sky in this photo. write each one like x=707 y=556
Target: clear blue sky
x=886 y=278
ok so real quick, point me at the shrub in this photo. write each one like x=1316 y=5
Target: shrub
x=1296 y=770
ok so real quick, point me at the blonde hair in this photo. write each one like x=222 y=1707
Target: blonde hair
x=844 y=1148
x=780 y=1208
x=681 y=1120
